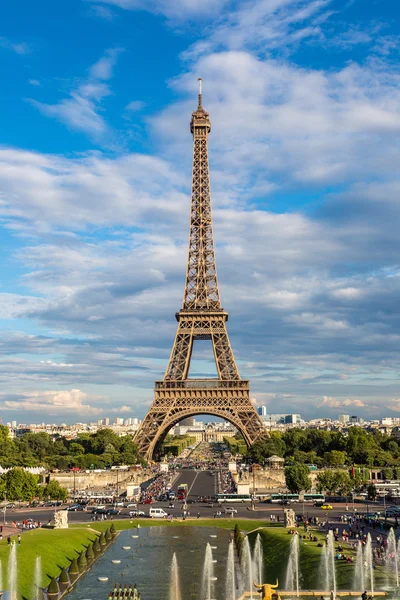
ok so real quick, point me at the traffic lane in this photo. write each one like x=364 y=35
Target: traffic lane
x=205 y=484
x=202 y=484
x=262 y=511
x=185 y=476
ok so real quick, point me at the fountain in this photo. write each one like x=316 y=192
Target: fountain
x=247 y=566
x=323 y=576
x=292 y=572
x=258 y=560
x=174 y=587
x=392 y=556
x=230 y=587
x=369 y=564
x=12 y=571
x=359 y=573
x=38 y=577
x=208 y=575
x=330 y=554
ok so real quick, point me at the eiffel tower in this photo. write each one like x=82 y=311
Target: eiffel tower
x=200 y=318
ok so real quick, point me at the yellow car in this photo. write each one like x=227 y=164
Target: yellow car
x=326 y=507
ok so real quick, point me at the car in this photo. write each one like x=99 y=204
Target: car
x=372 y=516
x=392 y=513
x=230 y=511
x=100 y=511
x=137 y=513
x=327 y=507
x=113 y=511
x=73 y=507
x=10 y=505
x=132 y=505
x=99 y=506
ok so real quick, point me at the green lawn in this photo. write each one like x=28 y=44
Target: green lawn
x=56 y=548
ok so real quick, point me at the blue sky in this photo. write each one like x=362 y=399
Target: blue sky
x=95 y=167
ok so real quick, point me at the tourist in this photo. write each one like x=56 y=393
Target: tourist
x=19 y=538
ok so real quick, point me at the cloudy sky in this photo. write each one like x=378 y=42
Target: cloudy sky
x=95 y=173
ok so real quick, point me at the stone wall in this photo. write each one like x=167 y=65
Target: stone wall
x=85 y=481
x=268 y=479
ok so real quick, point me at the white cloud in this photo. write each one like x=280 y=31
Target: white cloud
x=17 y=47
x=173 y=9
x=35 y=82
x=52 y=403
x=337 y=403
x=135 y=105
x=81 y=109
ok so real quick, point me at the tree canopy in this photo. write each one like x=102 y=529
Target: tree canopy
x=99 y=450
x=329 y=448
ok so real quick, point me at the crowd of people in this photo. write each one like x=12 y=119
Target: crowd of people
x=157 y=488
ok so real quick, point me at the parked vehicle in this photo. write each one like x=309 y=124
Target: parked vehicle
x=136 y=513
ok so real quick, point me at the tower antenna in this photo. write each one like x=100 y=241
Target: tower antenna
x=200 y=80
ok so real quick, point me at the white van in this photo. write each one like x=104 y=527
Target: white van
x=157 y=513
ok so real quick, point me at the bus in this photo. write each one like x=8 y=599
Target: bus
x=233 y=498
x=320 y=498
x=182 y=491
x=277 y=498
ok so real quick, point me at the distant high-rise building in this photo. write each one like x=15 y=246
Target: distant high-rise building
x=354 y=420
x=279 y=418
x=344 y=419
x=106 y=421
x=262 y=410
x=14 y=424
x=119 y=421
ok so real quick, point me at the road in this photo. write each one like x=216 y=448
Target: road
x=200 y=483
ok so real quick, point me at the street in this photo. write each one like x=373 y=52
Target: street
x=200 y=483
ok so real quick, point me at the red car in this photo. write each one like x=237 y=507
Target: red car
x=148 y=501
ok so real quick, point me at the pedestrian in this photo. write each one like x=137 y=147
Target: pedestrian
x=8 y=540
x=19 y=538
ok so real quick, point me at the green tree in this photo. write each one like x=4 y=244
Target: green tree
x=19 y=485
x=76 y=449
x=54 y=491
x=297 y=478
x=371 y=491
x=335 y=458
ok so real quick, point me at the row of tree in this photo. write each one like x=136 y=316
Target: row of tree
x=99 y=450
x=330 y=448
x=175 y=444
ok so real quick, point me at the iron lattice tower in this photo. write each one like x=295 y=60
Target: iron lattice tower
x=200 y=318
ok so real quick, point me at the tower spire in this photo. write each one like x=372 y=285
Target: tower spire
x=200 y=103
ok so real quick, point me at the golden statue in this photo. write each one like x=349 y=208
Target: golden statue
x=267 y=591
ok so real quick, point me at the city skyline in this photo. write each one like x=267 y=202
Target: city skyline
x=95 y=193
